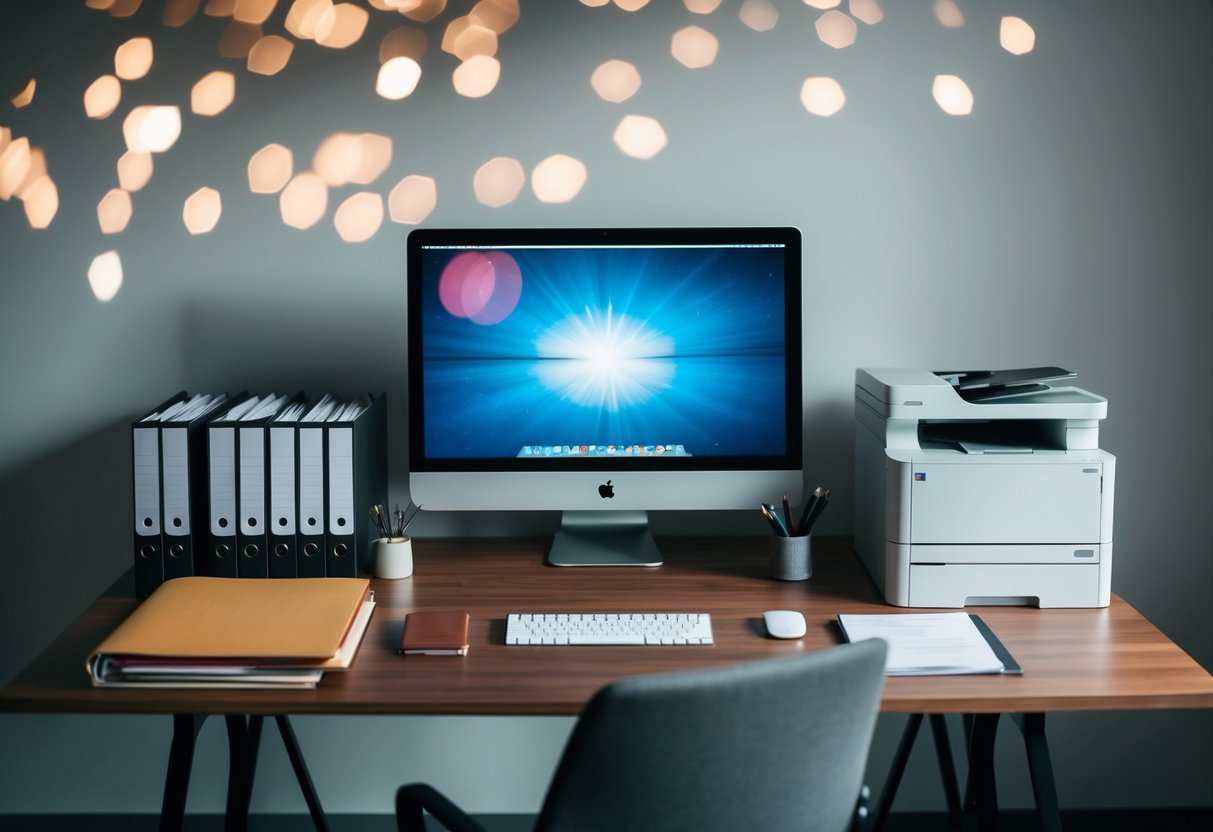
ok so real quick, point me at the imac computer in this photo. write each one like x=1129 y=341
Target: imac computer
x=604 y=373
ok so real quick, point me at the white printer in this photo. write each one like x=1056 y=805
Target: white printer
x=982 y=487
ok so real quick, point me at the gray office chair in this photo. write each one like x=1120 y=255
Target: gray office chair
x=779 y=744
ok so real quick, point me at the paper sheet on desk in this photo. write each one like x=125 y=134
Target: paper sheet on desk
x=926 y=644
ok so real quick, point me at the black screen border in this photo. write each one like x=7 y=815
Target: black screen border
x=786 y=236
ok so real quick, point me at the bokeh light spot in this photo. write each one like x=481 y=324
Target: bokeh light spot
x=822 y=4
x=253 y=11
x=867 y=11
x=640 y=137
x=359 y=217
x=558 y=178
x=41 y=200
x=213 y=94
x=341 y=26
x=948 y=14
x=114 y=211
x=24 y=95
x=822 y=96
x=303 y=18
x=421 y=10
x=133 y=59
x=151 y=129
x=398 y=77
x=498 y=15
x=270 y=169
x=477 y=76
x=202 y=210
x=219 y=8
x=105 y=276
x=498 y=181
x=483 y=286
x=402 y=42
x=694 y=47
x=631 y=5
x=1016 y=35
x=179 y=12
x=270 y=55
x=615 y=81
x=238 y=39
x=102 y=97
x=759 y=15
x=836 y=29
x=952 y=95
x=701 y=6
x=303 y=201
x=134 y=170
x=15 y=160
x=413 y=199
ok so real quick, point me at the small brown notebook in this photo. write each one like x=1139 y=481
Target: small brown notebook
x=435 y=633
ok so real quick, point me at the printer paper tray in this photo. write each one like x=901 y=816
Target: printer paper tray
x=1009 y=553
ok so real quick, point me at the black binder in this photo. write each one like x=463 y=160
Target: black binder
x=145 y=471
x=252 y=485
x=183 y=484
x=282 y=471
x=309 y=535
x=356 y=476
x=221 y=490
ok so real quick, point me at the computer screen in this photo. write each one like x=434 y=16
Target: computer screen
x=604 y=370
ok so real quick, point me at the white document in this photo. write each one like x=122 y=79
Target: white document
x=926 y=644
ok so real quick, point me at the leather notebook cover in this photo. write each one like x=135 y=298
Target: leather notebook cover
x=270 y=618
x=435 y=633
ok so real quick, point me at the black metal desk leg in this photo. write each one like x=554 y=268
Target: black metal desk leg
x=947 y=770
x=243 y=742
x=1040 y=769
x=180 y=763
x=301 y=773
x=896 y=770
x=981 y=792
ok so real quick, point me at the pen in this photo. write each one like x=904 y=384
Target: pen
x=818 y=508
x=808 y=508
x=787 y=516
x=774 y=520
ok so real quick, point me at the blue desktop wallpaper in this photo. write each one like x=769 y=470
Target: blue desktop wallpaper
x=526 y=350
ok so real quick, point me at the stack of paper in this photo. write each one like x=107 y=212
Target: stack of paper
x=196 y=632
x=926 y=644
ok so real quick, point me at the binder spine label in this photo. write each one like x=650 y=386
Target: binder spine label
x=146 y=456
x=282 y=480
x=222 y=457
x=176 y=481
x=252 y=480
x=311 y=480
x=341 y=480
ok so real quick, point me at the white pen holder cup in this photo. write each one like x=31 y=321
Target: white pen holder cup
x=393 y=557
x=791 y=558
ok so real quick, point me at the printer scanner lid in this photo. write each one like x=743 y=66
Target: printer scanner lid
x=1027 y=393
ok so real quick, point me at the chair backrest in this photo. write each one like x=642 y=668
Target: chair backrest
x=779 y=744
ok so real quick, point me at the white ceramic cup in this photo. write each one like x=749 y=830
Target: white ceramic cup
x=393 y=557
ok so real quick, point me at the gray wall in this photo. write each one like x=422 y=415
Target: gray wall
x=1064 y=222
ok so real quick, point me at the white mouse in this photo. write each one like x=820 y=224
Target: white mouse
x=784 y=623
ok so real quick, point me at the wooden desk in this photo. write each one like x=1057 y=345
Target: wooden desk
x=1073 y=660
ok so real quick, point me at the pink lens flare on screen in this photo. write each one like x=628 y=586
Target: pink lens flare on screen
x=481 y=286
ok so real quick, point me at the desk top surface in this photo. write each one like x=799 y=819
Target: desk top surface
x=1087 y=659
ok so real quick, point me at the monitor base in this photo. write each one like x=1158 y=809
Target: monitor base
x=604 y=538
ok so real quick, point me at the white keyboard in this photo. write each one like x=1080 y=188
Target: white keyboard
x=609 y=628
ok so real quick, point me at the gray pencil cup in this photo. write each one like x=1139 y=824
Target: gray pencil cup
x=791 y=558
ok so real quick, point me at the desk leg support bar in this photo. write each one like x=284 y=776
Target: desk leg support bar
x=947 y=770
x=981 y=793
x=896 y=769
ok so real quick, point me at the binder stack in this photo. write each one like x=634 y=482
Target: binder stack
x=168 y=450
x=257 y=486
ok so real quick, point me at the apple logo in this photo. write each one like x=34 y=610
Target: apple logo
x=606 y=490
